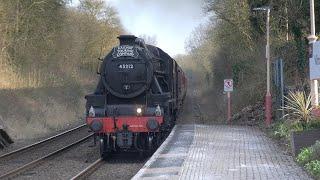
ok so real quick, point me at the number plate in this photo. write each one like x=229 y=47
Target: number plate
x=125 y=66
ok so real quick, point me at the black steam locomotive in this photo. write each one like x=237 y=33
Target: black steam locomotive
x=139 y=94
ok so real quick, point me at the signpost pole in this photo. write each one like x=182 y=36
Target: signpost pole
x=268 y=95
x=229 y=107
x=228 y=88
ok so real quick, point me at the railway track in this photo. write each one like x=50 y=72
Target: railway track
x=90 y=169
x=20 y=160
x=37 y=161
x=29 y=147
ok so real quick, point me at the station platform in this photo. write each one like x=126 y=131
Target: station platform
x=219 y=152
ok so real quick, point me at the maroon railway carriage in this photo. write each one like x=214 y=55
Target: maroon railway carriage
x=139 y=94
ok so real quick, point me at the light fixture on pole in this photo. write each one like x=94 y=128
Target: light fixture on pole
x=268 y=98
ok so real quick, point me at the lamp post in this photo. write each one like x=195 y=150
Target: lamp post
x=312 y=38
x=268 y=98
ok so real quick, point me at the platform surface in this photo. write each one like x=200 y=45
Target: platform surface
x=219 y=152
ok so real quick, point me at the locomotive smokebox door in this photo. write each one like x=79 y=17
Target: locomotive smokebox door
x=129 y=71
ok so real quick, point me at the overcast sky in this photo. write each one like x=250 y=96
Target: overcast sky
x=171 y=21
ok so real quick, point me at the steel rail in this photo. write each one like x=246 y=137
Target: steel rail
x=41 y=142
x=87 y=171
x=24 y=167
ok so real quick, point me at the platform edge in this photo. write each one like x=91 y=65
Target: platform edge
x=155 y=156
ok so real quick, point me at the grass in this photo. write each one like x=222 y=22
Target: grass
x=29 y=113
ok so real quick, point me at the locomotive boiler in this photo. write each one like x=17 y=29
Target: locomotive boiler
x=138 y=97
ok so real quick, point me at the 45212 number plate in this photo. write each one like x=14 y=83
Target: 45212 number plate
x=125 y=66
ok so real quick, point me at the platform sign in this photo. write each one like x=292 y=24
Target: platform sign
x=228 y=85
x=314 y=60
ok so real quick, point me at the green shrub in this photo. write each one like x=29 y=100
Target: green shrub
x=309 y=154
x=281 y=130
x=316 y=151
x=313 y=167
x=298 y=106
x=305 y=156
x=313 y=124
x=297 y=126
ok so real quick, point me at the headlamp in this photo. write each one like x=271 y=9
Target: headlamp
x=139 y=111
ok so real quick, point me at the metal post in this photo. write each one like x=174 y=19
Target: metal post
x=287 y=22
x=268 y=52
x=313 y=30
x=229 y=107
x=314 y=93
x=282 y=86
x=268 y=100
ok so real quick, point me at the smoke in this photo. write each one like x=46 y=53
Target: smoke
x=171 y=21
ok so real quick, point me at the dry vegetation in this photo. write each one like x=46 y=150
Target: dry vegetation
x=48 y=60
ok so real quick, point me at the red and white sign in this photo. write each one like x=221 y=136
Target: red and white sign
x=228 y=85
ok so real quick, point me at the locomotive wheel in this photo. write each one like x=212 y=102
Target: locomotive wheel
x=158 y=140
x=142 y=154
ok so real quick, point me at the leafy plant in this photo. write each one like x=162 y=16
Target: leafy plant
x=297 y=126
x=298 y=106
x=316 y=151
x=314 y=168
x=313 y=124
x=281 y=130
x=310 y=158
x=305 y=156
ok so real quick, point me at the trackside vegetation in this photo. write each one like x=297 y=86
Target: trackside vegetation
x=231 y=44
x=48 y=59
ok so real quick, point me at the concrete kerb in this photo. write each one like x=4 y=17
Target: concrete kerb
x=155 y=156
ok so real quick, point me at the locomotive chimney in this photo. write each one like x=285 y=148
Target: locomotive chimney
x=127 y=39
